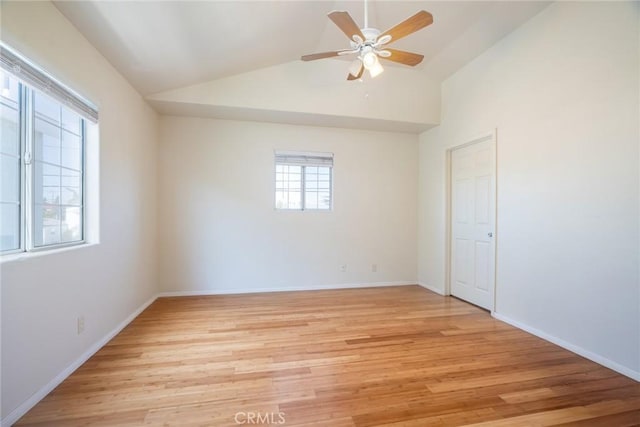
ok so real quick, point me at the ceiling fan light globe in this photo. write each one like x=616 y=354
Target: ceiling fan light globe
x=376 y=70
x=369 y=60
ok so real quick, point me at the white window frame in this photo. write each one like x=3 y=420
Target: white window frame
x=304 y=160
x=32 y=78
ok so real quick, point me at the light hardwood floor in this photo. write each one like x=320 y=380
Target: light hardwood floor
x=397 y=356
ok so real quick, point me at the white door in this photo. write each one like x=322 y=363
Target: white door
x=473 y=198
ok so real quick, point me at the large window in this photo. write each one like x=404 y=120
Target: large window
x=42 y=194
x=303 y=180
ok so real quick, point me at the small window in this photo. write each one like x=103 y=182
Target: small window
x=303 y=181
x=42 y=196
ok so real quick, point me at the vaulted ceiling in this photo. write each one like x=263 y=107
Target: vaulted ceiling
x=163 y=45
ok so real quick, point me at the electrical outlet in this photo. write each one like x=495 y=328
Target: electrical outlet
x=374 y=268
x=80 y=324
x=343 y=268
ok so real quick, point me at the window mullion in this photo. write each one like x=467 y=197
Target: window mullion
x=60 y=136
x=83 y=182
x=22 y=115
x=28 y=166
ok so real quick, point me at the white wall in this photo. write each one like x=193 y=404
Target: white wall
x=42 y=296
x=563 y=96
x=431 y=212
x=220 y=232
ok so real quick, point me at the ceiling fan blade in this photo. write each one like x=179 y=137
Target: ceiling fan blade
x=314 y=56
x=352 y=77
x=407 y=58
x=408 y=26
x=345 y=22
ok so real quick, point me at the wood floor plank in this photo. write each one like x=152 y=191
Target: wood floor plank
x=396 y=356
x=622 y=419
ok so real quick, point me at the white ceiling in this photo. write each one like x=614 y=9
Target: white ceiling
x=161 y=45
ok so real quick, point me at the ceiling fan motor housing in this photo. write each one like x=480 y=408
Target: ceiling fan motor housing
x=370 y=34
x=366 y=46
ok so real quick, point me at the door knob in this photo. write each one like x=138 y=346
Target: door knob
x=490 y=234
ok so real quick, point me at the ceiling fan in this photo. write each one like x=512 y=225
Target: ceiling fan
x=370 y=44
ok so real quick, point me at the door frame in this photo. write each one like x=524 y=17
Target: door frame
x=493 y=137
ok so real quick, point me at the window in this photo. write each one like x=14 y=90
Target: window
x=303 y=180
x=42 y=192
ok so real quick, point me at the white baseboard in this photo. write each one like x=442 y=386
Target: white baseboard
x=571 y=347
x=230 y=291
x=432 y=288
x=17 y=413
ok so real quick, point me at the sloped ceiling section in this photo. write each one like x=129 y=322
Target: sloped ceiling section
x=313 y=94
x=243 y=56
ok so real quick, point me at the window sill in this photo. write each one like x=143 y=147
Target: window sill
x=24 y=256
x=304 y=210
